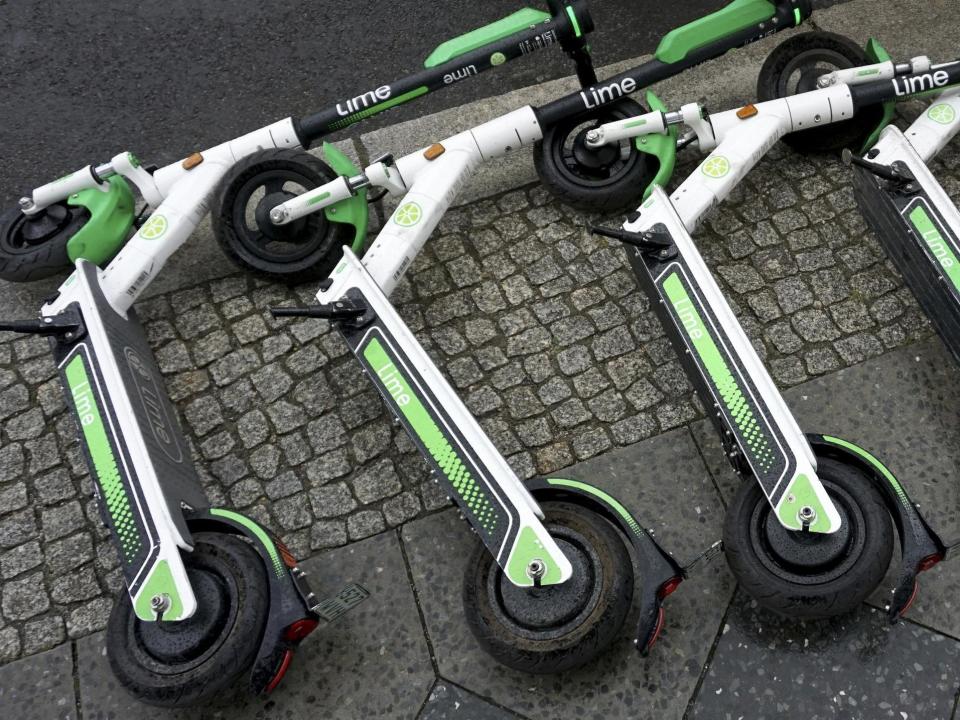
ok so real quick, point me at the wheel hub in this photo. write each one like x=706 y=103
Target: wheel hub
x=286 y=233
x=41 y=227
x=806 y=556
x=593 y=158
x=178 y=642
x=553 y=606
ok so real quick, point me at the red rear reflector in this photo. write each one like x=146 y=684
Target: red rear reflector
x=656 y=631
x=669 y=586
x=284 y=666
x=298 y=630
x=913 y=596
x=928 y=562
x=288 y=559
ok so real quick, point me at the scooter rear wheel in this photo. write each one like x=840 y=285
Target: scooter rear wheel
x=604 y=180
x=811 y=575
x=794 y=66
x=33 y=248
x=302 y=251
x=557 y=627
x=190 y=662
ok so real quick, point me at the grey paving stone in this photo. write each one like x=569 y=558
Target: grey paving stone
x=854 y=667
x=665 y=483
x=40 y=686
x=449 y=702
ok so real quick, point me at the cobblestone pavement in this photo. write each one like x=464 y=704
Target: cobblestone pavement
x=537 y=323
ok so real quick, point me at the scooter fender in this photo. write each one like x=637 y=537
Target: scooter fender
x=662 y=147
x=921 y=547
x=353 y=210
x=661 y=574
x=291 y=616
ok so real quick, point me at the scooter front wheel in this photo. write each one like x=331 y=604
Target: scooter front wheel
x=601 y=180
x=35 y=247
x=558 y=627
x=304 y=250
x=804 y=574
x=190 y=662
x=794 y=67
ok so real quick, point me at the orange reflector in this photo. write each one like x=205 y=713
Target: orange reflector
x=747 y=111
x=191 y=162
x=434 y=151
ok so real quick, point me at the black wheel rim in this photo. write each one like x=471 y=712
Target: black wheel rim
x=806 y=558
x=169 y=648
x=556 y=610
x=801 y=73
x=260 y=237
x=583 y=166
x=25 y=234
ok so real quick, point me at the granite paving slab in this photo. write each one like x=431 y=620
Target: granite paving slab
x=905 y=409
x=449 y=702
x=664 y=482
x=857 y=666
x=39 y=687
x=372 y=663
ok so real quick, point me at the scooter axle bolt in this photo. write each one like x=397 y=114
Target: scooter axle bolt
x=160 y=603
x=25 y=203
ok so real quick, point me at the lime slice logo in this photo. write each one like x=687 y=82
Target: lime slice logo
x=408 y=215
x=716 y=166
x=942 y=113
x=156 y=226
x=498 y=58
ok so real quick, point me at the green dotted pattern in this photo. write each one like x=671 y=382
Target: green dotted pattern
x=761 y=452
x=104 y=463
x=608 y=499
x=378 y=108
x=432 y=437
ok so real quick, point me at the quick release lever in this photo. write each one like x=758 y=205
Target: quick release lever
x=898 y=173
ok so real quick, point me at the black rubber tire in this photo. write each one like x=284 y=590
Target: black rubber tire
x=838 y=52
x=25 y=262
x=236 y=569
x=826 y=595
x=623 y=190
x=247 y=247
x=590 y=632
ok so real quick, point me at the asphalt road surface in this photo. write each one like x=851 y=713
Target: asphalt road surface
x=81 y=81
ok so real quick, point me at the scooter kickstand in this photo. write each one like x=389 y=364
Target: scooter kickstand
x=703 y=558
x=897 y=174
x=650 y=242
x=339 y=310
x=66 y=323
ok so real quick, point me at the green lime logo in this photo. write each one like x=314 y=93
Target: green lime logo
x=156 y=226
x=408 y=215
x=498 y=58
x=942 y=113
x=716 y=167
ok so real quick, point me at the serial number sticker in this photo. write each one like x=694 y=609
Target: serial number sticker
x=341 y=603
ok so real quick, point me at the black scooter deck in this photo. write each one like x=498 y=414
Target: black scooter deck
x=914 y=231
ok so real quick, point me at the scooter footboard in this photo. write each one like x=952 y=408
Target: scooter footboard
x=919 y=227
x=462 y=457
x=136 y=452
x=757 y=430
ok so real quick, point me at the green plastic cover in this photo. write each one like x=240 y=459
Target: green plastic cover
x=111 y=217
x=736 y=16
x=520 y=20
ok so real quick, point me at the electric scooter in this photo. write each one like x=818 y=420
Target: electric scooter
x=90 y=214
x=912 y=215
x=808 y=532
